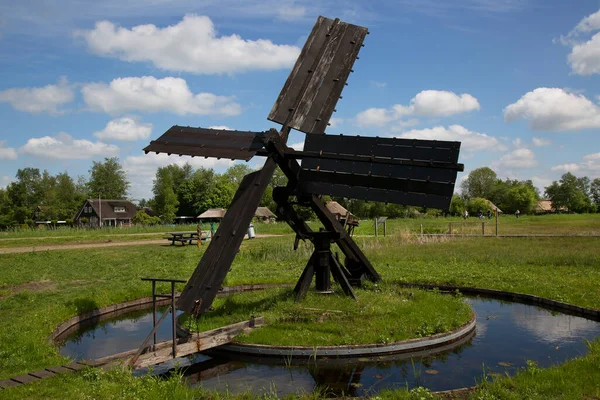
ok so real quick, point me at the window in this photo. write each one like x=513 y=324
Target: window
x=119 y=209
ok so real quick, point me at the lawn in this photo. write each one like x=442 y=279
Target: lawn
x=40 y=290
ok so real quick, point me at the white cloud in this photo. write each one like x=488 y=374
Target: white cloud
x=519 y=158
x=541 y=182
x=290 y=12
x=149 y=94
x=333 y=122
x=471 y=141
x=428 y=103
x=220 y=127
x=566 y=168
x=192 y=45
x=141 y=170
x=553 y=109
x=7 y=153
x=126 y=129
x=47 y=99
x=584 y=58
x=63 y=146
x=4 y=181
x=592 y=162
x=517 y=142
x=540 y=142
x=297 y=146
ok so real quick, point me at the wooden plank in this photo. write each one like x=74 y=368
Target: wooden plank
x=75 y=366
x=25 y=378
x=59 y=370
x=216 y=261
x=42 y=373
x=89 y=363
x=377 y=182
x=295 y=83
x=7 y=383
x=199 y=342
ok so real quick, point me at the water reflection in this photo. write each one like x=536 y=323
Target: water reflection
x=507 y=335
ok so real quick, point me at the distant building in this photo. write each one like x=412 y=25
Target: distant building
x=212 y=214
x=111 y=212
x=545 y=207
x=344 y=216
x=265 y=215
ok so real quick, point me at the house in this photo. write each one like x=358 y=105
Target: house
x=212 y=214
x=546 y=207
x=344 y=216
x=110 y=212
x=265 y=215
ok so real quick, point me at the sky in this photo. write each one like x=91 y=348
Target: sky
x=516 y=81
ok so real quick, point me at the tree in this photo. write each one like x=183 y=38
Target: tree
x=479 y=183
x=474 y=206
x=595 y=192
x=142 y=218
x=108 y=180
x=571 y=193
x=165 y=200
x=236 y=173
x=457 y=206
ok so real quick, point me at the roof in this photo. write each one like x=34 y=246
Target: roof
x=264 y=212
x=336 y=209
x=213 y=213
x=544 y=206
x=105 y=208
x=493 y=206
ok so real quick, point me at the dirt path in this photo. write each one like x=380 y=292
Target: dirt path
x=163 y=242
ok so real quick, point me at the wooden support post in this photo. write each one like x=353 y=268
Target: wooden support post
x=173 y=320
x=385 y=228
x=154 y=309
x=483 y=228
x=422 y=230
x=496 y=221
x=449 y=227
x=376 y=227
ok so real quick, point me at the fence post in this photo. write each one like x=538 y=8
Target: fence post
x=421 y=230
x=483 y=228
x=449 y=227
x=385 y=228
x=496 y=221
x=376 y=227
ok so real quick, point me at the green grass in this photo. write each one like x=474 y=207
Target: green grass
x=75 y=281
x=382 y=314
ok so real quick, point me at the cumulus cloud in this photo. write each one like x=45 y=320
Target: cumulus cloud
x=148 y=94
x=540 y=142
x=141 y=170
x=519 y=158
x=554 y=109
x=63 y=146
x=428 y=103
x=126 y=129
x=471 y=141
x=7 y=153
x=192 y=45
x=36 y=100
x=584 y=58
x=566 y=168
x=591 y=162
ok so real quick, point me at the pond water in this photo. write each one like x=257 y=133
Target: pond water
x=507 y=335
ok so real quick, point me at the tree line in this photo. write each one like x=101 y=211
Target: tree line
x=569 y=194
x=183 y=191
x=58 y=197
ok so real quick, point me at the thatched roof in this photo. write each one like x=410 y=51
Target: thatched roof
x=336 y=209
x=264 y=212
x=493 y=206
x=213 y=213
x=544 y=206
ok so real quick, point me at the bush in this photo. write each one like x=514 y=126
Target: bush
x=142 y=218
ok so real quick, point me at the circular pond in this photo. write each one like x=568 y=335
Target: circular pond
x=508 y=334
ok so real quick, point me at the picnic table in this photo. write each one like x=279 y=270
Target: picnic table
x=183 y=237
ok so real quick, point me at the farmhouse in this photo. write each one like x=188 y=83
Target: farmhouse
x=264 y=214
x=110 y=212
x=546 y=207
x=212 y=214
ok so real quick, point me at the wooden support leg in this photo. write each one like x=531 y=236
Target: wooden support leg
x=305 y=279
x=340 y=277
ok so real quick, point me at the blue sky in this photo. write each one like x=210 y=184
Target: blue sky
x=516 y=81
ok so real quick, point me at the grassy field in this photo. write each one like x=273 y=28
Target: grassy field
x=40 y=290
